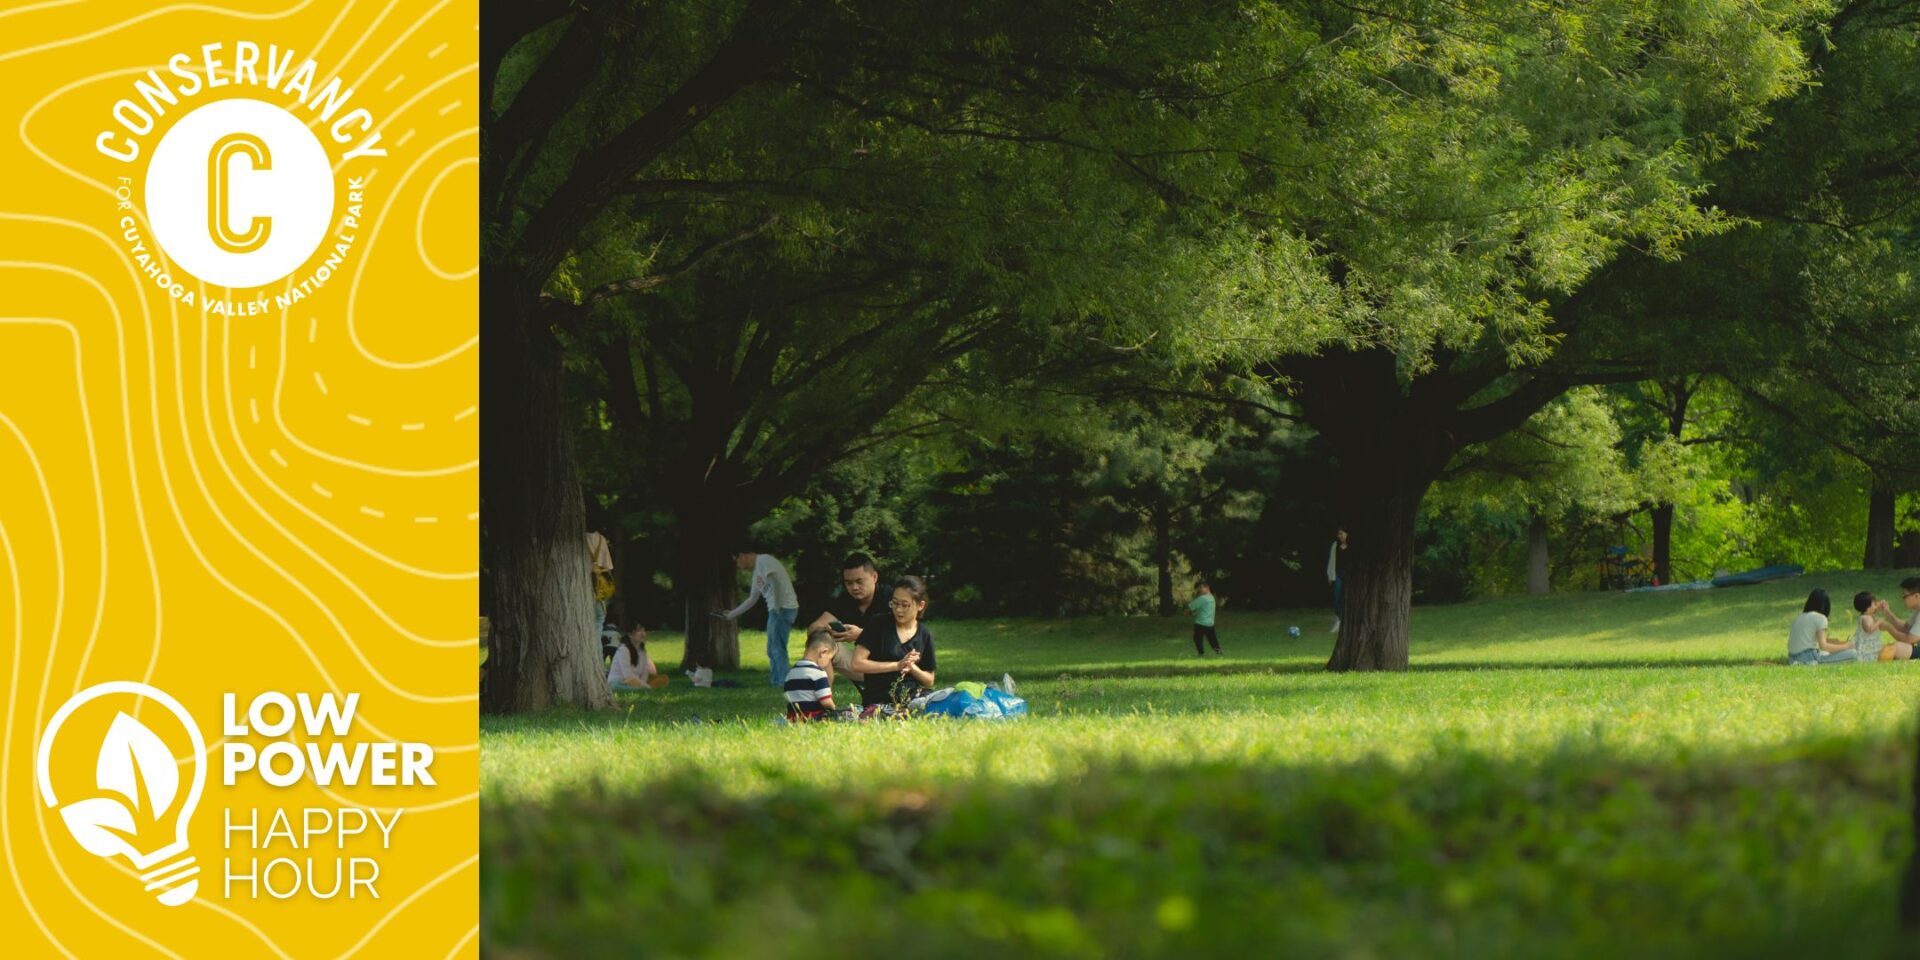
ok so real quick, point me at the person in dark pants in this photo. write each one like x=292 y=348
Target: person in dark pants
x=1337 y=575
x=1202 y=606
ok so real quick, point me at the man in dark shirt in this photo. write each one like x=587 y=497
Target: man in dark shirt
x=857 y=601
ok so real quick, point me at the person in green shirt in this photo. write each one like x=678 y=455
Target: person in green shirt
x=1202 y=606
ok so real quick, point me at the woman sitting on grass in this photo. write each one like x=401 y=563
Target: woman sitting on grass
x=894 y=655
x=1807 y=641
x=632 y=669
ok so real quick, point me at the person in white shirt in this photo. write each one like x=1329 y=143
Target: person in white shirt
x=1337 y=575
x=771 y=582
x=1807 y=641
x=631 y=668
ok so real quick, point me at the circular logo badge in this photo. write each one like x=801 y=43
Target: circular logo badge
x=239 y=193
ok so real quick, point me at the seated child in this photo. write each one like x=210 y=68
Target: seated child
x=809 y=686
x=1866 y=631
x=632 y=669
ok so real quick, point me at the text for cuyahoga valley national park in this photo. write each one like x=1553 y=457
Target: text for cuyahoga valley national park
x=350 y=134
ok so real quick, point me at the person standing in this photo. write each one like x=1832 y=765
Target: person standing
x=771 y=582
x=601 y=557
x=1337 y=576
x=1202 y=606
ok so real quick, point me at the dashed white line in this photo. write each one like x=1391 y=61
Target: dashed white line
x=371 y=512
x=395 y=83
x=277 y=458
x=322 y=384
x=356 y=418
x=323 y=491
x=436 y=51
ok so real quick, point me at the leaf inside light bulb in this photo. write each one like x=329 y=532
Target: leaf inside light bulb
x=132 y=755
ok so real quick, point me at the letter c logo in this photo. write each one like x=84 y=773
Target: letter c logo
x=224 y=150
x=239 y=193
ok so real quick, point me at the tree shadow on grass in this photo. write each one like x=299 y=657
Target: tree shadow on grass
x=756 y=705
x=1176 y=671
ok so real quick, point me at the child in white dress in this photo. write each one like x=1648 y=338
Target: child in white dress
x=1866 y=629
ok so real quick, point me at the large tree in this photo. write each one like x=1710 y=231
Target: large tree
x=1456 y=198
x=762 y=217
x=565 y=128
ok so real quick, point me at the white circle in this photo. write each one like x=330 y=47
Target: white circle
x=294 y=191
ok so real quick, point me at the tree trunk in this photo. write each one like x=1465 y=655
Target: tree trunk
x=1381 y=512
x=705 y=577
x=1880 y=503
x=1391 y=439
x=1674 y=399
x=1539 y=580
x=1163 y=557
x=542 y=649
x=1663 y=542
x=711 y=641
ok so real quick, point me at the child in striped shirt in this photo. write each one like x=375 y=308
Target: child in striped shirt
x=809 y=686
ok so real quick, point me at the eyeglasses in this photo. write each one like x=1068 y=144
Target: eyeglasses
x=900 y=604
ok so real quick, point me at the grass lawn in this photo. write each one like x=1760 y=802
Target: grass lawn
x=1577 y=775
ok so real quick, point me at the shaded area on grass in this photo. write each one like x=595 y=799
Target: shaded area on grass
x=1784 y=852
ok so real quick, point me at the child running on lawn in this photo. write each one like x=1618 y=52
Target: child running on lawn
x=1202 y=606
x=809 y=685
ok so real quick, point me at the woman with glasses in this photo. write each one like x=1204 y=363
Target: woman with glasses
x=894 y=654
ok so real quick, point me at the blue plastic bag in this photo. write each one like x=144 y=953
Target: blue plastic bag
x=995 y=705
x=951 y=703
x=1010 y=705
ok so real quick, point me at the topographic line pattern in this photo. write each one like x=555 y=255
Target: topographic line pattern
x=222 y=504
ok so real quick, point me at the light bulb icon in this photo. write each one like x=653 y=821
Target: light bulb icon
x=139 y=781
